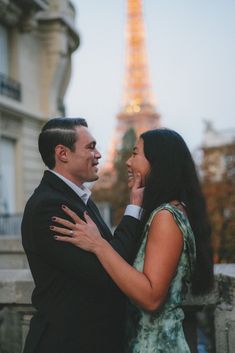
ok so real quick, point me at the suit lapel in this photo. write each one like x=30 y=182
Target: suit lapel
x=58 y=184
x=91 y=206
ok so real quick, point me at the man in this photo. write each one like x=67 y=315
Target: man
x=79 y=308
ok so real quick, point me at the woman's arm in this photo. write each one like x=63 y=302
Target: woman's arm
x=164 y=246
x=163 y=250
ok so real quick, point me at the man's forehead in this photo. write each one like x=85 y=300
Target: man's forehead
x=84 y=135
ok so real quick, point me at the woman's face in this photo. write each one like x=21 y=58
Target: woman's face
x=137 y=163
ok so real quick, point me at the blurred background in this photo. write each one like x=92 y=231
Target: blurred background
x=126 y=66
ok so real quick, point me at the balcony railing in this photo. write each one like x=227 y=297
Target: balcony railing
x=10 y=224
x=10 y=88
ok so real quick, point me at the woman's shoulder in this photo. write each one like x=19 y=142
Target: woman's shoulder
x=163 y=211
x=168 y=211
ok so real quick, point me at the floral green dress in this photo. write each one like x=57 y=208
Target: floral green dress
x=161 y=331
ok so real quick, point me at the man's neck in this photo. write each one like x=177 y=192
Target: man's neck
x=68 y=176
x=81 y=190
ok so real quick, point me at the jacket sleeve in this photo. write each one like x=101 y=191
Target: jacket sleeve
x=126 y=238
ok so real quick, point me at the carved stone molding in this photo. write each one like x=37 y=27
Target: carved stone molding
x=21 y=12
x=10 y=13
x=10 y=126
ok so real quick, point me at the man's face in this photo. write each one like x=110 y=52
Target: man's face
x=82 y=162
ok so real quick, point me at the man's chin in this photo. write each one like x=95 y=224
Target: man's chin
x=93 y=178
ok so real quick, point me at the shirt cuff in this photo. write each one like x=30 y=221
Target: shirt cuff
x=134 y=211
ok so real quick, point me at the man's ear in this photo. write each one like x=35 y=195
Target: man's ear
x=61 y=153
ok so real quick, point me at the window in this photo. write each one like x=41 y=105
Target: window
x=7 y=176
x=230 y=165
x=4 y=50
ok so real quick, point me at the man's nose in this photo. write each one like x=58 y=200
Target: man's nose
x=97 y=154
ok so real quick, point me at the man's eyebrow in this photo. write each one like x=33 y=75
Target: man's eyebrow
x=91 y=143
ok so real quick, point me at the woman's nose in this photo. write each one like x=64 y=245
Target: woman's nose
x=128 y=162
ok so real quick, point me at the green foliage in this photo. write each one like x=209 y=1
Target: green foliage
x=120 y=192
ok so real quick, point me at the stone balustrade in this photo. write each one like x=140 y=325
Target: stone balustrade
x=16 y=286
x=12 y=255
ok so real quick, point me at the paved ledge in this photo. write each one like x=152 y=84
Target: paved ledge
x=16 y=286
x=224 y=279
x=225 y=269
x=12 y=255
x=10 y=243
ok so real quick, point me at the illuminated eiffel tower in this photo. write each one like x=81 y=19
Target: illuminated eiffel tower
x=138 y=110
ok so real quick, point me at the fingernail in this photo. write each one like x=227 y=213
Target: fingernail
x=86 y=213
x=63 y=206
x=52 y=227
x=55 y=237
x=53 y=218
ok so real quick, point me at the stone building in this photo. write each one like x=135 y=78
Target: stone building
x=218 y=174
x=37 y=39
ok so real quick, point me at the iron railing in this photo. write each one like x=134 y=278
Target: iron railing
x=10 y=224
x=10 y=88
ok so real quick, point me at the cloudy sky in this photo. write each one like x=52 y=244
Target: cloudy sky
x=191 y=55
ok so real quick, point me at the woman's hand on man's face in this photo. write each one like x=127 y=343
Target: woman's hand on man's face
x=137 y=191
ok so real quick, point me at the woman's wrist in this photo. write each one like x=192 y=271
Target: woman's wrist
x=100 y=246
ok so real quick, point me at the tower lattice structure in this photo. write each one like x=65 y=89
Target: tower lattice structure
x=138 y=109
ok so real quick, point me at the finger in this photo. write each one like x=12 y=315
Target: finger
x=64 y=239
x=72 y=214
x=88 y=218
x=64 y=222
x=137 y=180
x=64 y=231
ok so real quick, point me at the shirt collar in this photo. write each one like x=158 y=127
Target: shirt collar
x=82 y=191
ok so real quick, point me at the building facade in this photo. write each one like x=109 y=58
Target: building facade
x=218 y=175
x=37 y=39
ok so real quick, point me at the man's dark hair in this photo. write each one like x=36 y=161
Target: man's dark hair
x=58 y=131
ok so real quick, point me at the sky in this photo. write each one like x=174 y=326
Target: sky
x=191 y=56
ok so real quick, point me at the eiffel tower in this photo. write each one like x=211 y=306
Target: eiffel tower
x=138 y=110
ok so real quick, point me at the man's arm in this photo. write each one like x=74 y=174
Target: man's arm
x=127 y=235
x=127 y=238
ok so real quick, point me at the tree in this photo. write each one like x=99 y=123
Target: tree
x=120 y=194
x=117 y=194
x=219 y=189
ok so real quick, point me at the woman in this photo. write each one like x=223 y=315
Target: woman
x=174 y=253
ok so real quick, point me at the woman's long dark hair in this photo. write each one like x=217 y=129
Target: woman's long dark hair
x=173 y=177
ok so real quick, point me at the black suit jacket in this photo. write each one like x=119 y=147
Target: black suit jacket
x=79 y=308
